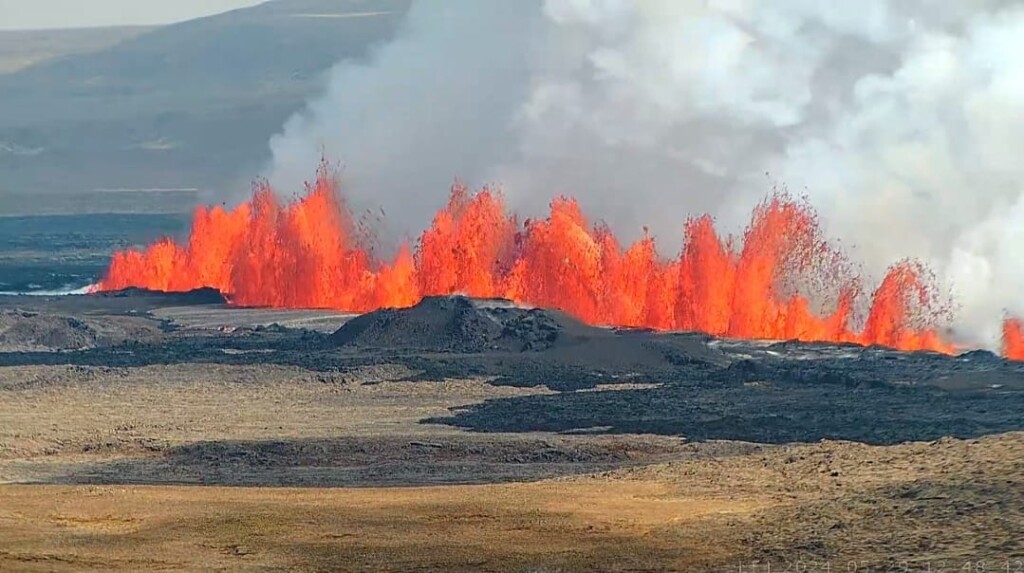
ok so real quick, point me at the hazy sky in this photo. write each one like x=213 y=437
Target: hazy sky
x=30 y=14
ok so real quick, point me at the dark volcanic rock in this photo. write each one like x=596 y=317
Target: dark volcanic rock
x=520 y=346
x=461 y=324
x=443 y=324
x=981 y=356
x=689 y=385
x=30 y=331
x=203 y=295
x=20 y=330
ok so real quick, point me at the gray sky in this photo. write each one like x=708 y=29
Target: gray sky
x=34 y=14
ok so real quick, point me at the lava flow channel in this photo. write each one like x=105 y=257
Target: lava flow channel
x=781 y=280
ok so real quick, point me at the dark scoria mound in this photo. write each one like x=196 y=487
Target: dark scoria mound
x=23 y=330
x=464 y=325
x=203 y=295
x=519 y=346
x=33 y=331
x=129 y=301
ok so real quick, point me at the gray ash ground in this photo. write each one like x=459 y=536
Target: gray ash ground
x=681 y=384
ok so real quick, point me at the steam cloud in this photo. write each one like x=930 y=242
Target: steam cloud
x=900 y=119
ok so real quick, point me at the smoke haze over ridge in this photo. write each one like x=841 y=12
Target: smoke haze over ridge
x=898 y=119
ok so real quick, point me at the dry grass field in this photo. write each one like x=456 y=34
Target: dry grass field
x=128 y=469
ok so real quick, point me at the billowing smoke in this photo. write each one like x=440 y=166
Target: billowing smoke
x=900 y=119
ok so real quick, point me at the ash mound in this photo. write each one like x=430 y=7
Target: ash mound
x=521 y=346
x=463 y=325
x=31 y=331
x=37 y=330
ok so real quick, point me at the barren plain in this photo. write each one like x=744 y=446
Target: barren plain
x=141 y=431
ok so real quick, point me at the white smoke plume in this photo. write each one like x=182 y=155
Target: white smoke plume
x=900 y=119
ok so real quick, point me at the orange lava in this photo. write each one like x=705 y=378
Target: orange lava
x=781 y=280
x=1013 y=339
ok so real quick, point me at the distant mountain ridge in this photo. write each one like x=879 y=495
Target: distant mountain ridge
x=184 y=106
x=20 y=49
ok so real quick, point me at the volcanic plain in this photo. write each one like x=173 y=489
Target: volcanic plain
x=149 y=431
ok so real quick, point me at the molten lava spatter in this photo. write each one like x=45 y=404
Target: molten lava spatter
x=1013 y=339
x=782 y=281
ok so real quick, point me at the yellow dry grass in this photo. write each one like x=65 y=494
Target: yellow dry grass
x=546 y=526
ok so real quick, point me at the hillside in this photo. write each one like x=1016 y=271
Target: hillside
x=20 y=49
x=186 y=106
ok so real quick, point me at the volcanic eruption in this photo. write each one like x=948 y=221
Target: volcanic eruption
x=781 y=280
x=898 y=122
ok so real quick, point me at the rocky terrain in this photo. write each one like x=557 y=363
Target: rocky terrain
x=476 y=435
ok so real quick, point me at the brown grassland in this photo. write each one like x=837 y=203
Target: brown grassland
x=102 y=471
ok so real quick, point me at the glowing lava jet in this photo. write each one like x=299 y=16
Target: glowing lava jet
x=781 y=280
x=1013 y=339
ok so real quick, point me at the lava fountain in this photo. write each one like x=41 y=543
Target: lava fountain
x=1013 y=339
x=781 y=280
